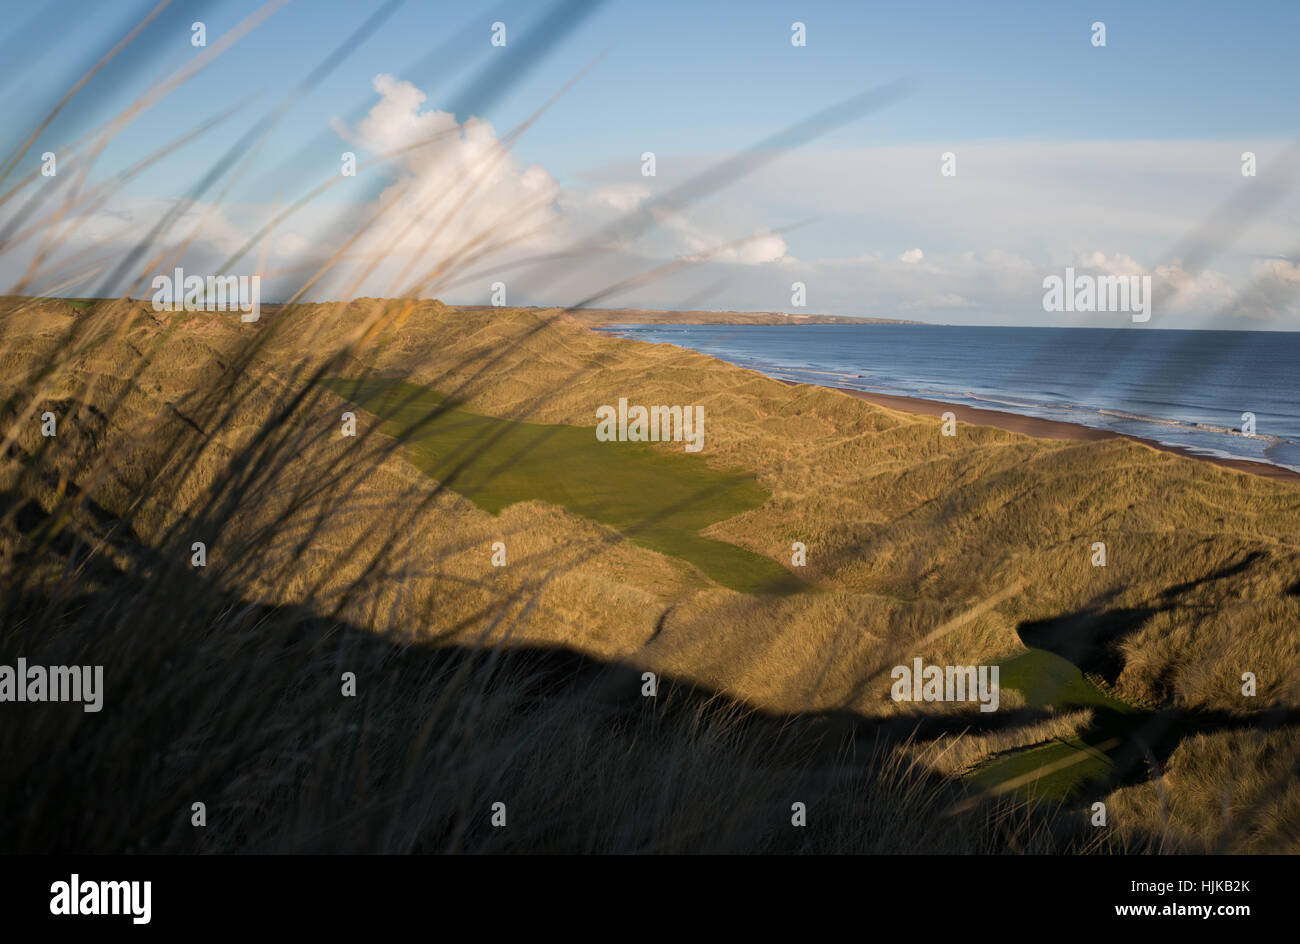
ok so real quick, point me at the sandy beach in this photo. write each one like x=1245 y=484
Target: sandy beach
x=1052 y=429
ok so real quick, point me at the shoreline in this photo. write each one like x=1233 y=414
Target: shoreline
x=1032 y=426
x=1052 y=429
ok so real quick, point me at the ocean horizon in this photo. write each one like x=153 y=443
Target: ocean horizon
x=1185 y=388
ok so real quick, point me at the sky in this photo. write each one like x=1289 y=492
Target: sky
x=1122 y=159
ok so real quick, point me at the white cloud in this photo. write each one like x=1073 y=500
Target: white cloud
x=1272 y=296
x=291 y=245
x=1117 y=264
x=1017 y=211
x=611 y=199
x=459 y=193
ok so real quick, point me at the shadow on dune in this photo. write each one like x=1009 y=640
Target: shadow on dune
x=1089 y=638
x=1136 y=744
x=218 y=700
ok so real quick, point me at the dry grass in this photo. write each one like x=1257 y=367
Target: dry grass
x=522 y=684
x=202 y=429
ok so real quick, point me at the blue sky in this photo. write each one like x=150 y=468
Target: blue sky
x=713 y=76
x=695 y=81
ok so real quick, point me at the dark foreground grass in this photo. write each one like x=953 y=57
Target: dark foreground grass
x=655 y=498
x=221 y=701
x=213 y=696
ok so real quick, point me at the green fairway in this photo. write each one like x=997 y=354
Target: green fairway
x=656 y=498
x=1048 y=680
x=1061 y=768
x=1057 y=770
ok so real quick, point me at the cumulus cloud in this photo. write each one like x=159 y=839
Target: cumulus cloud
x=746 y=249
x=459 y=193
x=461 y=198
x=1116 y=264
x=606 y=201
x=1272 y=297
x=455 y=195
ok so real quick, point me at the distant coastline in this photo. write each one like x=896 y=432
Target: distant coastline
x=1179 y=391
x=599 y=317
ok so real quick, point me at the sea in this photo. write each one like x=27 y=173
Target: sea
x=1191 y=389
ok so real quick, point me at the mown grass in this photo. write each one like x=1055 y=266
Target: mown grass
x=239 y=706
x=654 y=497
x=1046 y=680
x=1063 y=767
